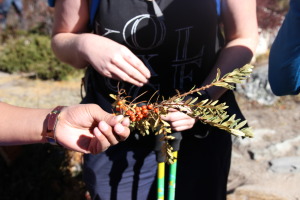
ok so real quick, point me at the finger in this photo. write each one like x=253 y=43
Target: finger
x=172 y=110
x=181 y=128
x=138 y=64
x=106 y=130
x=130 y=70
x=175 y=116
x=121 y=132
x=99 y=143
x=169 y=117
x=184 y=124
x=112 y=120
x=118 y=74
x=125 y=122
x=98 y=114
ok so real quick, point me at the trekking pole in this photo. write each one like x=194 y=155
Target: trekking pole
x=161 y=181
x=160 y=158
x=161 y=166
x=173 y=167
x=172 y=178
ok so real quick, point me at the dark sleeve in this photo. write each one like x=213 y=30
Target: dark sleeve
x=284 y=60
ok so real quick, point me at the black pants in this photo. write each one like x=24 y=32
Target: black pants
x=128 y=171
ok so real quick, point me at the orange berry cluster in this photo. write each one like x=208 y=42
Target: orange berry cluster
x=138 y=113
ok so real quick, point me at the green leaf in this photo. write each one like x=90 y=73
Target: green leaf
x=188 y=101
x=241 y=124
x=194 y=100
x=165 y=123
x=113 y=96
x=237 y=132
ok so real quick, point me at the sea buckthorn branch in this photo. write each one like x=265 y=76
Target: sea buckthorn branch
x=146 y=116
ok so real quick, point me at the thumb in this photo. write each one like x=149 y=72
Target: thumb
x=98 y=114
x=112 y=120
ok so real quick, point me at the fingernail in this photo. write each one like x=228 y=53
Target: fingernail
x=103 y=125
x=97 y=132
x=119 y=118
x=119 y=128
x=139 y=84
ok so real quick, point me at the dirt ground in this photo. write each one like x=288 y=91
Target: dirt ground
x=274 y=126
x=250 y=178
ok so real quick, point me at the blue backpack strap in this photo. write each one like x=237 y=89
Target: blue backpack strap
x=218 y=7
x=93 y=10
x=51 y=3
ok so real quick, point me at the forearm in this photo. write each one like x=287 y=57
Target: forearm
x=70 y=48
x=69 y=31
x=236 y=54
x=21 y=125
x=241 y=35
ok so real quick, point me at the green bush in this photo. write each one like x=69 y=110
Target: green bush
x=31 y=53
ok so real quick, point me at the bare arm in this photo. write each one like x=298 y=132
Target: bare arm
x=21 y=125
x=84 y=128
x=241 y=35
x=73 y=45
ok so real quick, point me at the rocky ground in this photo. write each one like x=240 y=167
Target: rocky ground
x=266 y=167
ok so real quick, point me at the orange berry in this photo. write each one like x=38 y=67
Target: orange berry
x=118 y=108
x=150 y=107
x=129 y=112
x=138 y=112
x=156 y=110
x=137 y=108
x=120 y=102
x=132 y=118
x=144 y=111
x=140 y=116
x=144 y=107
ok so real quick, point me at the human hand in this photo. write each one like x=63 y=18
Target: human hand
x=89 y=129
x=179 y=121
x=114 y=60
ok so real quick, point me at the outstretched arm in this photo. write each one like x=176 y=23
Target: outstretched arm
x=85 y=128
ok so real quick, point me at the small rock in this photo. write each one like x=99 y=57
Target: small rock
x=285 y=165
x=257 y=87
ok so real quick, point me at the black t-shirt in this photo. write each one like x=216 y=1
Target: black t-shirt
x=179 y=48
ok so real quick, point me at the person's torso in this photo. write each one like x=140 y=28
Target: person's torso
x=179 y=48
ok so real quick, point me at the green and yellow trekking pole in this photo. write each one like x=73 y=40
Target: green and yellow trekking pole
x=160 y=158
x=161 y=181
x=161 y=167
x=172 y=178
x=173 y=167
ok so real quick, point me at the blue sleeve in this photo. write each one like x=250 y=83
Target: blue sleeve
x=51 y=3
x=284 y=59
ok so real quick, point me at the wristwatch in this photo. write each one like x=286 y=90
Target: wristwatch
x=52 y=119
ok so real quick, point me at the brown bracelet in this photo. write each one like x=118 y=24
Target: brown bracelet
x=52 y=119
